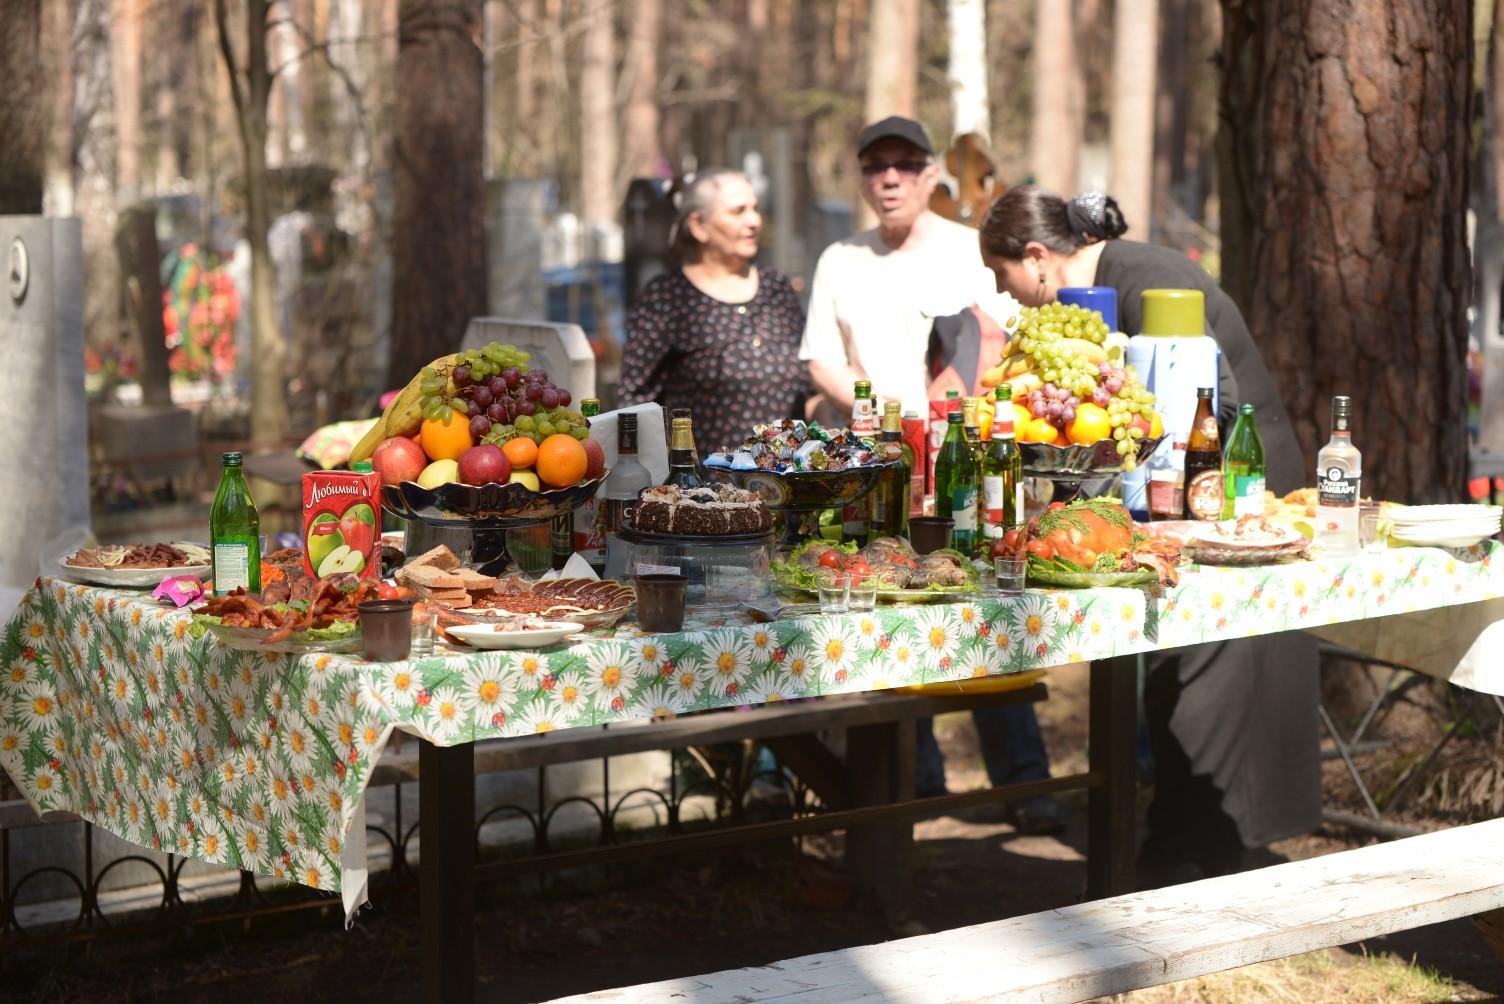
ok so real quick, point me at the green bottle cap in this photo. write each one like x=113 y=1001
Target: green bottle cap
x=1174 y=312
x=1246 y=408
x=230 y=459
x=363 y=467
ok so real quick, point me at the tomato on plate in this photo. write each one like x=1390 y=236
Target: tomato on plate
x=832 y=559
x=858 y=566
x=1053 y=506
x=387 y=591
x=1041 y=548
x=1011 y=538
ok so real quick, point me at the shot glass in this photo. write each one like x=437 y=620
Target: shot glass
x=1010 y=572
x=660 y=601
x=862 y=594
x=834 y=589
x=1368 y=531
x=425 y=617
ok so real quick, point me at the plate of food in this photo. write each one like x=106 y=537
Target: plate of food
x=136 y=566
x=902 y=575
x=528 y=631
x=1095 y=542
x=1247 y=540
x=594 y=603
x=327 y=620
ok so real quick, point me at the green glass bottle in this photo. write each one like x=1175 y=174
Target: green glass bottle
x=1243 y=468
x=1002 y=473
x=235 y=532
x=956 y=484
x=890 y=500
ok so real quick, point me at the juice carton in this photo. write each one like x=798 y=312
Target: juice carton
x=914 y=434
x=342 y=523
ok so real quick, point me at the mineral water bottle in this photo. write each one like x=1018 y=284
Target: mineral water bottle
x=235 y=532
x=1339 y=472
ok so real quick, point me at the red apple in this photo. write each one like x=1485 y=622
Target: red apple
x=484 y=464
x=595 y=458
x=1141 y=423
x=358 y=527
x=398 y=459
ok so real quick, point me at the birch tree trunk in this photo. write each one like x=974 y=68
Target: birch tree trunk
x=642 y=151
x=1344 y=222
x=598 y=144
x=1059 y=105
x=439 y=230
x=125 y=71
x=1134 y=60
x=892 y=69
x=967 y=68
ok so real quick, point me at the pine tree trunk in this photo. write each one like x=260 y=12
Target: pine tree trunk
x=892 y=59
x=439 y=232
x=1344 y=164
x=1134 y=58
x=23 y=110
x=642 y=152
x=1055 y=132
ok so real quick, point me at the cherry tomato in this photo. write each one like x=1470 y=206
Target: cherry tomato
x=1053 y=506
x=1041 y=548
x=831 y=559
x=858 y=566
x=1011 y=538
x=387 y=591
x=404 y=593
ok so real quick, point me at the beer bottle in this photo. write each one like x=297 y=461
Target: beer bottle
x=682 y=469
x=1203 y=462
x=1243 y=468
x=863 y=409
x=956 y=485
x=1002 y=473
x=890 y=500
x=234 y=532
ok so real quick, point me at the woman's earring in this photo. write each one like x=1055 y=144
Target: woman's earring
x=1041 y=285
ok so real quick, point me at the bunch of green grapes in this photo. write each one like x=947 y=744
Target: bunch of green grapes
x=1052 y=334
x=539 y=426
x=491 y=366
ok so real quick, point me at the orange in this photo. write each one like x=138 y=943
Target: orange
x=521 y=452
x=1022 y=416
x=446 y=440
x=1038 y=430
x=1090 y=425
x=561 y=461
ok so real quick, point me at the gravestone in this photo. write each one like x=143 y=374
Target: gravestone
x=562 y=350
x=45 y=455
x=519 y=217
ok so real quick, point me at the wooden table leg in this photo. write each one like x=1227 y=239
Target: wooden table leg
x=446 y=865
x=880 y=771
x=1111 y=838
x=1491 y=926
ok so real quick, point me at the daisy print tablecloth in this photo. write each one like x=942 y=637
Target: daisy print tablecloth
x=112 y=709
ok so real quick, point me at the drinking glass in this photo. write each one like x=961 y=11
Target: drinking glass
x=660 y=601
x=1368 y=532
x=385 y=629
x=863 y=594
x=1010 y=571
x=425 y=617
x=835 y=591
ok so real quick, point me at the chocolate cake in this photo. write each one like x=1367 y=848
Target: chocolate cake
x=707 y=511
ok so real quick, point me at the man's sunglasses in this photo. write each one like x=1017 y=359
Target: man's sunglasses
x=874 y=168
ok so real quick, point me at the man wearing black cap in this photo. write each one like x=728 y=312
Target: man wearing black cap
x=875 y=295
x=873 y=303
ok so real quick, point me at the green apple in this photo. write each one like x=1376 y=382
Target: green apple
x=323 y=538
x=524 y=477
x=440 y=472
x=341 y=559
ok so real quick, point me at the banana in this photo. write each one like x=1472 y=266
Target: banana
x=1090 y=351
x=1025 y=384
x=404 y=415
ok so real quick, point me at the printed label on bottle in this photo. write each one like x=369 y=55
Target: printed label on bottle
x=1203 y=496
x=992 y=503
x=963 y=509
x=1248 y=497
x=1336 y=487
x=232 y=567
x=864 y=415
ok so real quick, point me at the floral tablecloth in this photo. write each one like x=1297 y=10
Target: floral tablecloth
x=112 y=709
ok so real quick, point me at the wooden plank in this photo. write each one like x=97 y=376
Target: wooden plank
x=1140 y=940
x=815 y=765
x=1111 y=838
x=586 y=743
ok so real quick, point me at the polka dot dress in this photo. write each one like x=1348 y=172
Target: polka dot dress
x=734 y=365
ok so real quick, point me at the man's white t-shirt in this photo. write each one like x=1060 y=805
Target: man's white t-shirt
x=872 y=307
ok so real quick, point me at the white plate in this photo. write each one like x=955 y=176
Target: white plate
x=129 y=578
x=1209 y=534
x=1433 y=537
x=1415 y=515
x=490 y=635
x=1449 y=529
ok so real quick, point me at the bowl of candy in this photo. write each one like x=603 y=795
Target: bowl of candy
x=799 y=467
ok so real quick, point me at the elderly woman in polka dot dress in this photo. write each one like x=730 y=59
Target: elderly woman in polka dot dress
x=717 y=335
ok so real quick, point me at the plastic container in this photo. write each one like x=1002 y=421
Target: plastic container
x=1173 y=356
x=723 y=572
x=1102 y=299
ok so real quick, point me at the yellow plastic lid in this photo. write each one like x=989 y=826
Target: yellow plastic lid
x=1174 y=312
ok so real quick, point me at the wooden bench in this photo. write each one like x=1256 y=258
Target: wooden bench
x=1139 y=940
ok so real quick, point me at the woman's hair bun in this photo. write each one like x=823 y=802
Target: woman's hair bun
x=1113 y=223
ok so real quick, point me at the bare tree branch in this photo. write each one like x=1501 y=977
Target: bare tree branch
x=237 y=95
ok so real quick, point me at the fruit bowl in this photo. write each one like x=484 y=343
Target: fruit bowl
x=805 y=491
x=493 y=505
x=1098 y=459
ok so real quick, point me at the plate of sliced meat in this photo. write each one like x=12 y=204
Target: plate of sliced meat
x=589 y=602
x=327 y=621
x=136 y=566
x=1247 y=540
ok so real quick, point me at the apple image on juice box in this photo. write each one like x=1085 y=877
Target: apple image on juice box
x=341 y=523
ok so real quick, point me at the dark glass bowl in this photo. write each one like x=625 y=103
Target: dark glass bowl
x=457 y=505
x=1097 y=459
x=805 y=491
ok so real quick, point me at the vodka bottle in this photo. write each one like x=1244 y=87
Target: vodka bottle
x=1339 y=472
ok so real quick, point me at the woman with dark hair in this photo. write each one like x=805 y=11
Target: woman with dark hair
x=717 y=335
x=1232 y=725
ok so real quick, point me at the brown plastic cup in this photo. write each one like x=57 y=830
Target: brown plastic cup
x=386 y=628
x=930 y=533
x=660 y=601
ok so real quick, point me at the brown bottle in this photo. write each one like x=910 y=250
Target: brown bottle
x=1203 y=462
